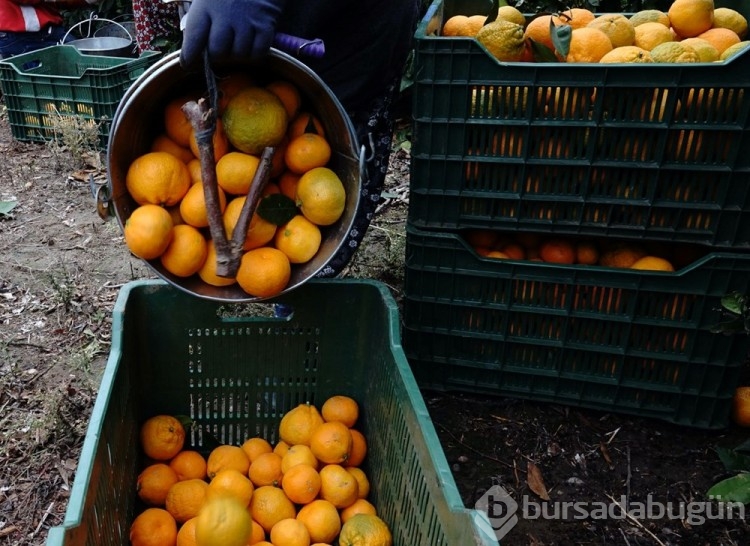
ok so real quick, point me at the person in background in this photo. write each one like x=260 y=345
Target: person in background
x=28 y=25
x=367 y=44
x=156 y=24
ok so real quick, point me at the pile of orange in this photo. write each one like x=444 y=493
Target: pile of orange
x=690 y=31
x=560 y=249
x=170 y=223
x=307 y=489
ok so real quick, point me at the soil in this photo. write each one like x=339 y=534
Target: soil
x=62 y=267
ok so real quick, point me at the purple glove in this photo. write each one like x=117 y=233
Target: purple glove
x=229 y=29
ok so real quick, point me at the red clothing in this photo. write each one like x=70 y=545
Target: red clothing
x=19 y=16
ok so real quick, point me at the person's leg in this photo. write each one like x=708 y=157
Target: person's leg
x=17 y=43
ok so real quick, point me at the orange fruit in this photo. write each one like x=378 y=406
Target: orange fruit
x=474 y=24
x=220 y=142
x=731 y=19
x=298 y=424
x=674 y=52
x=290 y=532
x=226 y=456
x=576 y=17
x=454 y=26
x=230 y=482
x=281 y=448
x=266 y=470
x=189 y=464
x=185 y=499
x=372 y=527
x=264 y=272
x=360 y=506
x=649 y=16
x=301 y=483
x=158 y=178
x=186 y=533
x=176 y=124
x=627 y=54
x=587 y=253
x=321 y=519
x=557 y=251
x=298 y=454
x=254 y=119
x=621 y=256
x=256 y=446
x=617 y=27
x=288 y=184
x=259 y=232
x=363 y=482
x=270 y=505
x=331 y=442
x=485 y=238
x=207 y=273
x=299 y=239
x=305 y=122
x=321 y=196
x=341 y=408
x=538 y=29
x=154 y=482
x=514 y=251
x=223 y=521
x=153 y=527
x=691 y=17
x=652 y=263
x=194 y=168
x=588 y=45
x=338 y=486
x=257 y=535
x=288 y=94
x=503 y=39
x=162 y=437
x=162 y=143
x=307 y=151
x=651 y=34
x=193 y=206
x=720 y=38
x=235 y=172
x=741 y=406
x=148 y=231
x=186 y=252
x=359 y=448
x=228 y=86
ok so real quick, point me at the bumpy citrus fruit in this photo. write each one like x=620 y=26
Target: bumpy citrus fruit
x=731 y=51
x=650 y=35
x=365 y=530
x=223 y=521
x=255 y=119
x=731 y=19
x=509 y=13
x=503 y=39
x=649 y=16
x=298 y=424
x=674 y=52
x=707 y=53
x=617 y=27
x=627 y=54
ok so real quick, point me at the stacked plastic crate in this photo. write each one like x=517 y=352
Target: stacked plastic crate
x=654 y=154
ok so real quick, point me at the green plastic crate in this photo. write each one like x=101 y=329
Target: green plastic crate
x=635 y=151
x=236 y=375
x=618 y=340
x=60 y=80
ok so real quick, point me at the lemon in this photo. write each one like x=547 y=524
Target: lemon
x=223 y=521
x=255 y=119
x=503 y=39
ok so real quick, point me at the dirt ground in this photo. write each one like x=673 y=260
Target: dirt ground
x=60 y=272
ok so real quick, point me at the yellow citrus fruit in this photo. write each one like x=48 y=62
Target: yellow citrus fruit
x=649 y=16
x=298 y=454
x=305 y=152
x=223 y=521
x=235 y=172
x=720 y=38
x=617 y=27
x=360 y=506
x=186 y=252
x=298 y=424
x=207 y=273
x=707 y=53
x=621 y=256
x=731 y=19
x=185 y=499
x=232 y=483
x=158 y=178
x=266 y=470
x=689 y=18
x=153 y=527
x=301 y=483
x=509 y=13
x=153 y=483
x=270 y=505
x=264 y=272
x=299 y=239
x=148 y=231
x=674 y=52
x=162 y=437
x=627 y=54
x=259 y=231
x=230 y=85
x=254 y=119
x=341 y=408
x=731 y=51
x=321 y=196
x=652 y=263
x=288 y=94
x=226 y=456
x=256 y=446
x=649 y=35
x=189 y=464
x=176 y=124
x=290 y=532
x=321 y=519
x=193 y=206
x=365 y=530
x=503 y=39
x=162 y=143
x=359 y=448
x=588 y=45
x=331 y=442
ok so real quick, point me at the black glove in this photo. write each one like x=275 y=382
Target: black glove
x=229 y=29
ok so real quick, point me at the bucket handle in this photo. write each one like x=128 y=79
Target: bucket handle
x=90 y=20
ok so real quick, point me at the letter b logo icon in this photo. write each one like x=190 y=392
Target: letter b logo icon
x=500 y=509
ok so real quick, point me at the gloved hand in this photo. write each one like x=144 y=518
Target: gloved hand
x=229 y=29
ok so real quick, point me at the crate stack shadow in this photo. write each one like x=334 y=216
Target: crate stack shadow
x=658 y=155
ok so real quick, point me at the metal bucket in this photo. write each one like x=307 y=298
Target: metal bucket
x=109 y=44
x=137 y=121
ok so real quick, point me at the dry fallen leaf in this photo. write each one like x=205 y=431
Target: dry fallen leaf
x=535 y=480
